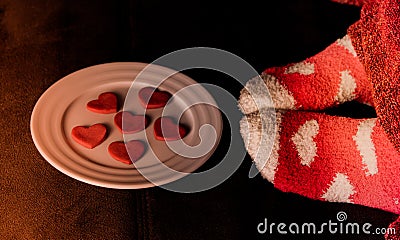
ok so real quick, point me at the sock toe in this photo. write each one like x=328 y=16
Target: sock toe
x=329 y=78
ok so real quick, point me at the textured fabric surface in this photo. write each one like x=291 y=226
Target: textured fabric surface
x=331 y=77
x=327 y=158
x=377 y=41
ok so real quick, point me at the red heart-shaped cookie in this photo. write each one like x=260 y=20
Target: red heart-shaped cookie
x=153 y=98
x=106 y=103
x=119 y=151
x=89 y=137
x=165 y=129
x=132 y=123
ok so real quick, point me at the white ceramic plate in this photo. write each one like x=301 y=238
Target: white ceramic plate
x=63 y=106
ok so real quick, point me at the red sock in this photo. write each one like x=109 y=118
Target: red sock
x=327 y=158
x=329 y=78
x=333 y=158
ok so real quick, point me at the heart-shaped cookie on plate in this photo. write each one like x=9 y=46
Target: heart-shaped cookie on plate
x=119 y=151
x=89 y=137
x=105 y=103
x=153 y=98
x=165 y=129
x=127 y=122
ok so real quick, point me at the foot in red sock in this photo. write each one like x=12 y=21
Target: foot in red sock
x=332 y=158
x=324 y=157
x=329 y=78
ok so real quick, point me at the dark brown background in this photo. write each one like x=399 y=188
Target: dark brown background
x=44 y=40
